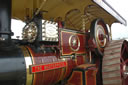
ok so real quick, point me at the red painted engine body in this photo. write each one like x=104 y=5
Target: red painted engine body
x=53 y=67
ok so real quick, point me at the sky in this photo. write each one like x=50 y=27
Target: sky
x=16 y=27
x=119 y=31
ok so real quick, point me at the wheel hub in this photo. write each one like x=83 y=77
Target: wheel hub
x=101 y=36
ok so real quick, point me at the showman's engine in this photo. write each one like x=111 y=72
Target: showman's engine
x=64 y=42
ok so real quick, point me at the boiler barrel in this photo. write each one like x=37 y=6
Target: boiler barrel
x=16 y=65
x=12 y=66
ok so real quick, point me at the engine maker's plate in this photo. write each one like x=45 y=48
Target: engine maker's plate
x=49 y=31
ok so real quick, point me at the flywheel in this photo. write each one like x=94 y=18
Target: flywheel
x=115 y=63
x=99 y=32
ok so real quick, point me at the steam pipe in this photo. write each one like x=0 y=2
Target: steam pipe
x=5 y=20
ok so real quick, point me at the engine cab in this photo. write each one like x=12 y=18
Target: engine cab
x=63 y=43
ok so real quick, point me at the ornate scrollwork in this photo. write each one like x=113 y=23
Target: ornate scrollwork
x=74 y=42
x=30 y=32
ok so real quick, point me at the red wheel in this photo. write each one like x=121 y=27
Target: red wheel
x=124 y=63
x=115 y=63
x=99 y=33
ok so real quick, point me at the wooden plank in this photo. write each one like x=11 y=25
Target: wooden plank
x=112 y=51
x=118 y=81
x=110 y=74
x=111 y=69
x=108 y=57
x=113 y=47
x=111 y=62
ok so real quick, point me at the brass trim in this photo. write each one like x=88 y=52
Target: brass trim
x=86 y=77
x=32 y=57
x=63 y=71
x=28 y=61
x=70 y=43
x=72 y=31
x=98 y=41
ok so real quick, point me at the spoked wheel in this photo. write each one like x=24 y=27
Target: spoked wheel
x=115 y=63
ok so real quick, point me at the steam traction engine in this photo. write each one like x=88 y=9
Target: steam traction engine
x=64 y=42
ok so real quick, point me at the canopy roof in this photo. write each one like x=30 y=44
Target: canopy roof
x=74 y=13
